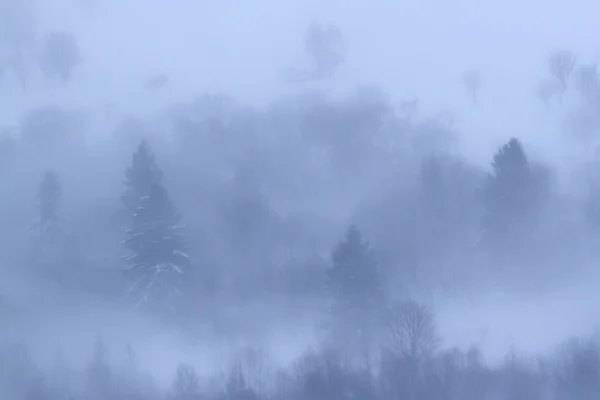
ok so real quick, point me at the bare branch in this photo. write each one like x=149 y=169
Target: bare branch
x=588 y=82
x=561 y=64
x=412 y=330
x=186 y=383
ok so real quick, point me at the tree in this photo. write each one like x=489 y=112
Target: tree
x=60 y=55
x=54 y=249
x=560 y=65
x=140 y=176
x=412 y=340
x=578 y=370
x=472 y=82
x=100 y=380
x=48 y=225
x=356 y=286
x=327 y=48
x=512 y=194
x=592 y=201
x=186 y=385
x=17 y=38
x=588 y=82
x=412 y=332
x=157 y=262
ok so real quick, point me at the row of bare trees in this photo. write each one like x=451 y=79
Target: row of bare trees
x=327 y=49
x=565 y=71
x=571 y=373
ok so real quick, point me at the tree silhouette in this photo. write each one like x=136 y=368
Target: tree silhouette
x=412 y=330
x=48 y=225
x=186 y=385
x=55 y=251
x=512 y=194
x=140 y=176
x=588 y=82
x=60 y=55
x=157 y=262
x=17 y=39
x=472 y=81
x=356 y=286
x=326 y=47
x=560 y=65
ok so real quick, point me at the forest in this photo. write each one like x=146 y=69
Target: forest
x=324 y=246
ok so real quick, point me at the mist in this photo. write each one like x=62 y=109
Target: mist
x=299 y=199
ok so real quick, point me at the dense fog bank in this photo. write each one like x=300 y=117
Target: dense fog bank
x=297 y=201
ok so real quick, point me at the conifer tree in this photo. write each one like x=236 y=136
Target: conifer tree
x=140 y=176
x=512 y=195
x=54 y=251
x=48 y=227
x=356 y=286
x=157 y=262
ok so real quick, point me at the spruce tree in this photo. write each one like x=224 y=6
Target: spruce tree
x=48 y=226
x=140 y=176
x=157 y=262
x=54 y=250
x=356 y=287
x=512 y=195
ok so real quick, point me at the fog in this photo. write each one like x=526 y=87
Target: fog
x=301 y=199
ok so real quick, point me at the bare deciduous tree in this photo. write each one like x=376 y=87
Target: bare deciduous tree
x=472 y=81
x=17 y=38
x=257 y=369
x=60 y=55
x=236 y=387
x=186 y=385
x=412 y=340
x=561 y=64
x=412 y=330
x=327 y=48
x=588 y=82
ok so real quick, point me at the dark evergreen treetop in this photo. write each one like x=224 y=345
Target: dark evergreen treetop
x=354 y=275
x=509 y=188
x=140 y=176
x=52 y=243
x=513 y=196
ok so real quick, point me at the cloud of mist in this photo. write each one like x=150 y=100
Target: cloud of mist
x=412 y=50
